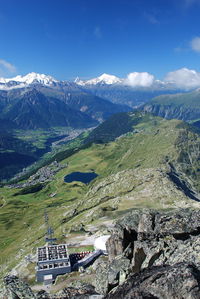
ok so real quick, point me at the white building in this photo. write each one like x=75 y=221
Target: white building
x=100 y=243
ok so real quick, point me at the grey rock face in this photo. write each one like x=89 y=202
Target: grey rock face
x=82 y=291
x=18 y=289
x=167 y=241
x=164 y=282
x=109 y=275
x=118 y=267
x=123 y=235
x=169 y=237
x=101 y=280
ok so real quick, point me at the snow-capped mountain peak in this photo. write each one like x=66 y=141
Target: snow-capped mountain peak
x=35 y=77
x=22 y=81
x=103 y=79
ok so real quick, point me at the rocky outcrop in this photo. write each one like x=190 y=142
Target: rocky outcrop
x=171 y=110
x=164 y=282
x=17 y=289
x=81 y=292
x=160 y=246
x=149 y=185
x=109 y=275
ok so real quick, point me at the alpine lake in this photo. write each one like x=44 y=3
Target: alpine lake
x=84 y=177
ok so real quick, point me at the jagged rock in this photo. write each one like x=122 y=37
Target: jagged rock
x=124 y=234
x=151 y=254
x=152 y=235
x=43 y=295
x=164 y=282
x=109 y=275
x=167 y=238
x=17 y=288
x=101 y=278
x=82 y=291
x=180 y=224
x=151 y=238
x=118 y=267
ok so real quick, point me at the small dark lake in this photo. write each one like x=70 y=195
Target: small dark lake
x=84 y=177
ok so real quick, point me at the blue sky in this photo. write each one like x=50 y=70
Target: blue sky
x=85 y=38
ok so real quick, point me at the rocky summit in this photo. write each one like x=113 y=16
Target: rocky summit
x=163 y=253
x=151 y=254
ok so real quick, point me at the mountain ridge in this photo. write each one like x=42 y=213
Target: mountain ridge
x=184 y=106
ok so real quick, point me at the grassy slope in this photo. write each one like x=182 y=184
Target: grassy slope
x=187 y=99
x=185 y=106
x=21 y=218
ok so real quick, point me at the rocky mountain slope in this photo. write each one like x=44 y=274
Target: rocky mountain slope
x=34 y=110
x=154 y=165
x=37 y=107
x=125 y=94
x=180 y=106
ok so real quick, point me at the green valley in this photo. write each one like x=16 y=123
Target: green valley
x=149 y=163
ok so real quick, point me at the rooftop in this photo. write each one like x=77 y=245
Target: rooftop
x=52 y=253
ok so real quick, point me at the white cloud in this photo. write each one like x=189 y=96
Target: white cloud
x=184 y=78
x=195 y=44
x=6 y=68
x=139 y=79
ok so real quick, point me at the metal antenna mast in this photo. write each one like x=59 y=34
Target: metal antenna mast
x=49 y=234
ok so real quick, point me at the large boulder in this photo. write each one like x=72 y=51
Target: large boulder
x=81 y=292
x=109 y=275
x=149 y=238
x=163 y=282
x=18 y=289
x=167 y=238
x=155 y=238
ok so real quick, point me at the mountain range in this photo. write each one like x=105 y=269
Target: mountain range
x=107 y=87
x=37 y=101
x=122 y=91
